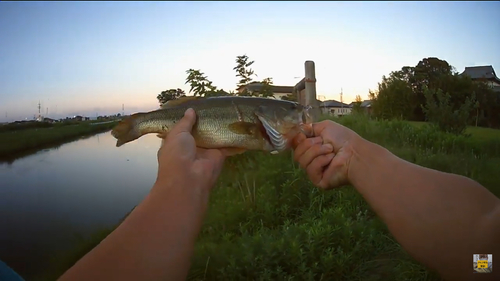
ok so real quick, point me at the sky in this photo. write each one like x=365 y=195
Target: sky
x=89 y=58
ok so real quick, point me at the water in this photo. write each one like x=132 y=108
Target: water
x=48 y=198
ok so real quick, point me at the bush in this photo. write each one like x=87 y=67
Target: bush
x=439 y=111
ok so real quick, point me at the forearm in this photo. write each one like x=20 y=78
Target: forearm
x=441 y=219
x=154 y=242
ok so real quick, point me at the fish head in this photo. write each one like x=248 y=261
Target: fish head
x=282 y=123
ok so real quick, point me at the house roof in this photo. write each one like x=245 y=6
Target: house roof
x=333 y=103
x=365 y=103
x=481 y=72
x=257 y=86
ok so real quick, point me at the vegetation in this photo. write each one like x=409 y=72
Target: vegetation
x=356 y=107
x=171 y=94
x=17 y=141
x=266 y=221
x=440 y=112
x=419 y=93
x=243 y=70
x=201 y=86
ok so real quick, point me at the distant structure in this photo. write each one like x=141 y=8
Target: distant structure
x=39 y=118
x=484 y=74
x=305 y=89
x=278 y=91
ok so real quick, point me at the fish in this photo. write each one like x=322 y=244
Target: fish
x=230 y=122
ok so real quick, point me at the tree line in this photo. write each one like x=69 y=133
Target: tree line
x=201 y=86
x=433 y=91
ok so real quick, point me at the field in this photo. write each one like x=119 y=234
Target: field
x=26 y=139
x=266 y=221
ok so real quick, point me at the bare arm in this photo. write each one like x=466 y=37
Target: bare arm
x=441 y=219
x=155 y=242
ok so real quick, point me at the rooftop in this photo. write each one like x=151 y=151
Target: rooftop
x=333 y=103
x=257 y=86
x=481 y=72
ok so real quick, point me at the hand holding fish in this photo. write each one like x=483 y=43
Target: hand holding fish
x=179 y=156
x=326 y=156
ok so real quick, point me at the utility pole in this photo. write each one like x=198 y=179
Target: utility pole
x=123 y=109
x=342 y=101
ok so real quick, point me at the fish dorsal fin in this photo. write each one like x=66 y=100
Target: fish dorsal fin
x=178 y=101
x=243 y=128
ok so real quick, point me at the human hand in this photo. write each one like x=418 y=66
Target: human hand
x=181 y=163
x=326 y=157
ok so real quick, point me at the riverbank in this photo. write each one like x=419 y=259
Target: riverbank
x=18 y=143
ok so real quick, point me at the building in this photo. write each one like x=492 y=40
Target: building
x=365 y=105
x=484 y=74
x=49 y=120
x=278 y=91
x=335 y=108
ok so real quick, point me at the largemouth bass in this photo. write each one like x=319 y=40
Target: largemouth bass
x=244 y=123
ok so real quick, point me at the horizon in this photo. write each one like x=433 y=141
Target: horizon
x=88 y=58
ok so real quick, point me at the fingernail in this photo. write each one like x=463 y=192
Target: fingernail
x=327 y=147
x=188 y=111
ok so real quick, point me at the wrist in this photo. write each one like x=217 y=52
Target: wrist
x=359 y=161
x=189 y=190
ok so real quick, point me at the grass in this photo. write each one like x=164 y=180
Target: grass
x=15 y=143
x=266 y=221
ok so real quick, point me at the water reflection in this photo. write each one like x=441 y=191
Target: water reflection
x=47 y=197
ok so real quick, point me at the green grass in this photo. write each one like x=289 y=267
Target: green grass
x=14 y=143
x=266 y=221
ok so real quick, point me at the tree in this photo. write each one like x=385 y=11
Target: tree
x=199 y=83
x=356 y=107
x=290 y=97
x=440 y=111
x=266 y=90
x=171 y=94
x=431 y=73
x=243 y=70
x=394 y=98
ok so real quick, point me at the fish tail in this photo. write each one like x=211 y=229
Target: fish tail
x=126 y=131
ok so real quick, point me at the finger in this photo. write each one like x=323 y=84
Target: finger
x=185 y=124
x=298 y=139
x=313 y=152
x=332 y=175
x=318 y=128
x=304 y=146
x=317 y=166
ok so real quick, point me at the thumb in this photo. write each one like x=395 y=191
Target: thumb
x=186 y=123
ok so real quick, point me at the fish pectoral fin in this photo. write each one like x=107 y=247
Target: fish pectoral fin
x=181 y=100
x=162 y=135
x=230 y=151
x=243 y=128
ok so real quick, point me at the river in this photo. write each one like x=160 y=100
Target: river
x=49 y=198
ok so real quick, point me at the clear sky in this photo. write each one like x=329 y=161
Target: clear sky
x=89 y=58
